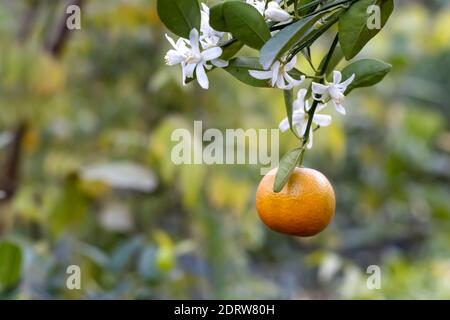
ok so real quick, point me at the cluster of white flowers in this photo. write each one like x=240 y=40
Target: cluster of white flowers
x=272 y=11
x=201 y=51
x=321 y=93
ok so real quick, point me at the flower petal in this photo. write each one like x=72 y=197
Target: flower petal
x=292 y=82
x=260 y=75
x=320 y=107
x=301 y=94
x=319 y=88
x=205 y=8
x=337 y=77
x=212 y=53
x=172 y=42
x=181 y=43
x=202 y=78
x=322 y=120
x=189 y=69
x=340 y=108
x=291 y=64
x=174 y=57
x=284 y=125
x=298 y=116
x=275 y=13
x=183 y=74
x=343 y=86
x=298 y=105
x=194 y=40
x=310 y=139
x=307 y=107
x=219 y=63
x=275 y=68
x=301 y=126
x=281 y=84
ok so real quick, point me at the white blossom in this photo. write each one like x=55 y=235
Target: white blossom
x=278 y=75
x=193 y=59
x=334 y=90
x=275 y=13
x=179 y=53
x=300 y=117
x=208 y=36
x=272 y=11
x=200 y=52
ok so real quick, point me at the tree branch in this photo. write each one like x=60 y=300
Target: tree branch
x=10 y=168
x=59 y=39
x=27 y=20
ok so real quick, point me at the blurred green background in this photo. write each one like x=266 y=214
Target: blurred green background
x=86 y=177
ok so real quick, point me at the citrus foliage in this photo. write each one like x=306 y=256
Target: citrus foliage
x=192 y=231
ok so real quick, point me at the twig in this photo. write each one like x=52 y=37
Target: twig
x=322 y=80
x=57 y=43
x=27 y=21
x=10 y=168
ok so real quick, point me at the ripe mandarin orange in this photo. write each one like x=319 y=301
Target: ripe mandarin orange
x=304 y=207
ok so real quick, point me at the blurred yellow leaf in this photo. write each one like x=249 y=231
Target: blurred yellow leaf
x=441 y=30
x=48 y=76
x=70 y=207
x=165 y=255
x=191 y=183
x=226 y=192
x=160 y=146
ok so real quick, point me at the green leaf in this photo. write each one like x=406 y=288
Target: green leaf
x=296 y=74
x=313 y=34
x=246 y=24
x=307 y=6
x=69 y=208
x=336 y=58
x=367 y=73
x=285 y=39
x=289 y=101
x=285 y=169
x=230 y=49
x=306 y=52
x=180 y=16
x=10 y=264
x=123 y=254
x=217 y=18
x=240 y=67
x=353 y=31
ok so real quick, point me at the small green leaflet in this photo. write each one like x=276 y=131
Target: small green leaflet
x=289 y=101
x=230 y=49
x=217 y=18
x=10 y=264
x=285 y=39
x=245 y=23
x=353 y=31
x=285 y=169
x=240 y=67
x=368 y=72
